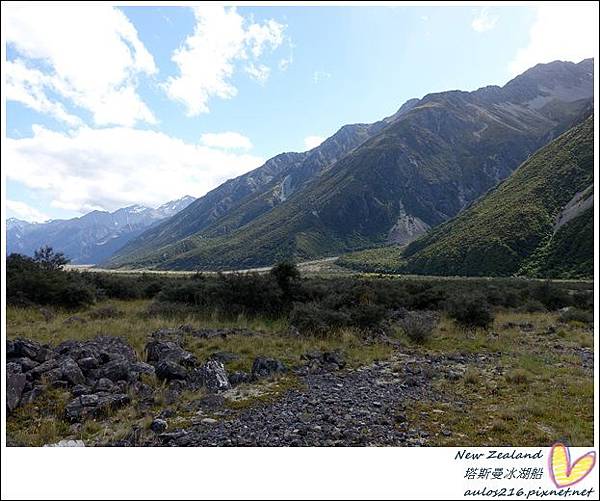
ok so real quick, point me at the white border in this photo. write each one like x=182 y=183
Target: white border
x=248 y=473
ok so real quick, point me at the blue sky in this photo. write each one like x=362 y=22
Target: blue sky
x=146 y=104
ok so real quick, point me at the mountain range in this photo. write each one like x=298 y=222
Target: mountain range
x=92 y=238
x=370 y=185
x=539 y=222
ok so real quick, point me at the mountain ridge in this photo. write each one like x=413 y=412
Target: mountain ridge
x=418 y=168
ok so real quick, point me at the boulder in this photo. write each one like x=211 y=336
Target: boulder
x=239 y=377
x=168 y=370
x=93 y=405
x=71 y=372
x=265 y=367
x=115 y=370
x=158 y=351
x=158 y=426
x=104 y=385
x=25 y=348
x=214 y=376
x=15 y=383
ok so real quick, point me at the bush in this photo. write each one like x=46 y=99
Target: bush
x=42 y=281
x=418 y=326
x=576 y=315
x=470 y=312
x=551 y=296
x=533 y=306
x=312 y=319
x=286 y=275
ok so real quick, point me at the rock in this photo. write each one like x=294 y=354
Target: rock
x=92 y=405
x=15 y=383
x=26 y=363
x=239 y=377
x=26 y=348
x=67 y=443
x=32 y=394
x=214 y=376
x=80 y=389
x=44 y=367
x=71 y=372
x=158 y=351
x=334 y=358
x=209 y=421
x=265 y=367
x=115 y=370
x=168 y=370
x=88 y=363
x=158 y=426
x=103 y=385
x=139 y=368
x=224 y=356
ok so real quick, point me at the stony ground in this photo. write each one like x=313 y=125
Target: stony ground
x=361 y=407
x=529 y=381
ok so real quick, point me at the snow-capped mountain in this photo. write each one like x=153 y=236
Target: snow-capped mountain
x=92 y=238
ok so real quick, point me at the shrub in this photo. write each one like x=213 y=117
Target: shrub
x=470 y=312
x=576 y=315
x=286 y=274
x=42 y=281
x=551 y=296
x=533 y=306
x=312 y=319
x=418 y=326
x=472 y=376
x=367 y=316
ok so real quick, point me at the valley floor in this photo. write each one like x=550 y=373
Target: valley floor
x=527 y=381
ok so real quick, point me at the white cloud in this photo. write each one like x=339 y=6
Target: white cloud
x=311 y=142
x=89 y=55
x=226 y=140
x=259 y=73
x=319 y=76
x=109 y=168
x=28 y=86
x=207 y=59
x=484 y=21
x=23 y=211
x=568 y=33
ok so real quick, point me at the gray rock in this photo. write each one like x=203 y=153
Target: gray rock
x=15 y=383
x=103 y=385
x=214 y=376
x=26 y=348
x=265 y=367
x=158 y=351
x=67 y=443
x=168 y=370
x=158 y=426
x=71 y=372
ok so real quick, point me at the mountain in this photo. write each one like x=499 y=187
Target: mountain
x=539 y=222
x=243 y=199
x=368 y=185
x=91 y=238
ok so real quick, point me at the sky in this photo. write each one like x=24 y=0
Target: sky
x=113 y=106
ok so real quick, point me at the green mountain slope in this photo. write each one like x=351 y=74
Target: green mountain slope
x=420 y=168
x=516 y=228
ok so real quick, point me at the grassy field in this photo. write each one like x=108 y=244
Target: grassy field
x=539 y=388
